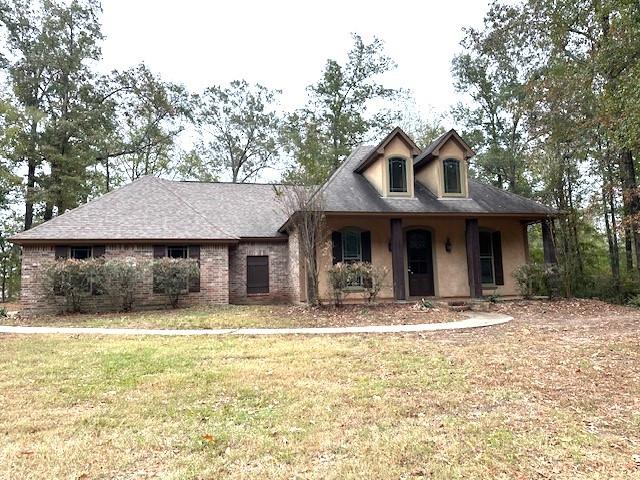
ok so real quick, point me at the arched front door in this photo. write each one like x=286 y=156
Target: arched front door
x=420 y=263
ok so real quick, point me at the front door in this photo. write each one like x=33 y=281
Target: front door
x=420 y=263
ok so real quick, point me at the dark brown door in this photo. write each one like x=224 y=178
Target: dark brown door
x=420 y=263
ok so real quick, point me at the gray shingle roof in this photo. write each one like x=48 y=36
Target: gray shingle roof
x=347 y=191
x=155 y=209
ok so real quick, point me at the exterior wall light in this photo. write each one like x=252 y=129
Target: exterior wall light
x=447 y=245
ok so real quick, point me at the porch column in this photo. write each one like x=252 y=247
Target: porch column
x=548 y=243
x=397 y=259
x=472 y=234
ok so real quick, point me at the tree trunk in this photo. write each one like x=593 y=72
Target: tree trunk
x=614 y=259
x=630 y=198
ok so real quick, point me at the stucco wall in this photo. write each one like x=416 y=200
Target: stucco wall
x=214 y=279
x=432 y=175
x=378 y=172
x=450 y=268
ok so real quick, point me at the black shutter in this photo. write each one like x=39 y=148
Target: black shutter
x=257 y=274
x=194 y=253
x=159 y=251
x=62 y=251
x=336 y=240
x=365 y=239
x=98 y=251
x=497 y=258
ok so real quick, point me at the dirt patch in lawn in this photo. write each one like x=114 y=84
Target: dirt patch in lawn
x=245 y=316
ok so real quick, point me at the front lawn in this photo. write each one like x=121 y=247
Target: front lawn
x=548 y=395
x=244 y=316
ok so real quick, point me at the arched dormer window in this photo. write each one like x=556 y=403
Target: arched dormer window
x=452 y=179
x=397 y=175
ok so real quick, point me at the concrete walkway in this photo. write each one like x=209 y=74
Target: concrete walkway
x=475 y=320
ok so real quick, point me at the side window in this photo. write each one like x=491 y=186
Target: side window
x=257 y=274
x=397 y=175
x=452 y=180
x=487 y=273
x=178 y=251
x=80 y=253
x=491 y=270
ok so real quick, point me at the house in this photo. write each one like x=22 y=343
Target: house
x=417 y=212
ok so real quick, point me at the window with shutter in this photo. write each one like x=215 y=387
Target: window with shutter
x=257 y=274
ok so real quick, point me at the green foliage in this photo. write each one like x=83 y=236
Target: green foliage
x=240 y=131
x=538 y=279
x=121 y=280
x=372 y=279
x=9 y=258
x=172 y=276
x=75 y=280
x=3 y=312
x=335 y=120
x=424 y=304
x=363 y=277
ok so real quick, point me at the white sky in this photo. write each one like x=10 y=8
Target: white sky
x=285 y=44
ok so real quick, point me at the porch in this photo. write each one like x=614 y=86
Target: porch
x=433 y=256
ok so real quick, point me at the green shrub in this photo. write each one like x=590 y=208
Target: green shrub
x=121 y=279
x=74 y=280
x=340 y=279
x=371 y=278
x=3 y=312
x=424 y=304
x=634 y=301
x=363 y=277
x=172 y=276
x=535 y=279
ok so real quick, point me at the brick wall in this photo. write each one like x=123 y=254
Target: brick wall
x=214 y=279
x=280 y=273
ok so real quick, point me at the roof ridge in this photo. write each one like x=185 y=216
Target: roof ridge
x=195 y=210
x=80 y=207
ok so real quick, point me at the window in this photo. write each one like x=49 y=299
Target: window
x=178 y=252
x=397 y=175
x=487 y=262
x=351 y=246
x=452 y=182
x=257 y=274
x=80 y=253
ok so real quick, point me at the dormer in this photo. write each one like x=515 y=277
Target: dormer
x=389 y=166
x=443 y=167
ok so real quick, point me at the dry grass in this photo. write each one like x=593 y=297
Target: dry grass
x=546 y=396
x=239 y=316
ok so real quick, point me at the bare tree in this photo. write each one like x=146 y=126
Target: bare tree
x=305 y=208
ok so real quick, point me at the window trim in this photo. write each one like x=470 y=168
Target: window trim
x=461 y=185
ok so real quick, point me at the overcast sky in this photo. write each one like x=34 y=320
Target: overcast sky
x=284 y=44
